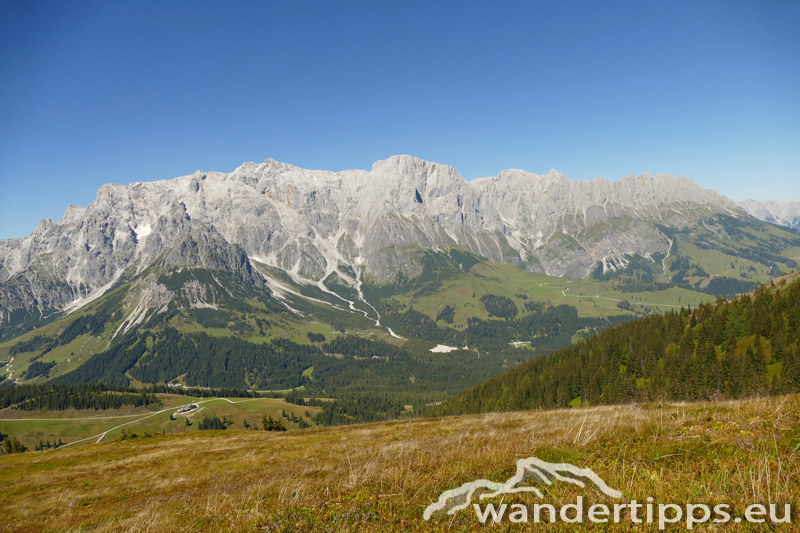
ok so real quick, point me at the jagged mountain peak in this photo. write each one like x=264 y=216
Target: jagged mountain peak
x=311 y=223
x=555 y=174
x=73 y=213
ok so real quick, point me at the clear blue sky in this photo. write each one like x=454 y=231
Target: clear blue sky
x=114 y=91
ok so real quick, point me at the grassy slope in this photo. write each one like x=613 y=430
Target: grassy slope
x=86 y=427
x=380 y=477
x=591 y=298
x=70 y=356
x=747 y=236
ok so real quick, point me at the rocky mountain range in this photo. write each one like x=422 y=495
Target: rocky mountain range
x=361 y=225
x=780 y=212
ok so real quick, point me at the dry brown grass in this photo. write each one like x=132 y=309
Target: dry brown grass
x=380 y=477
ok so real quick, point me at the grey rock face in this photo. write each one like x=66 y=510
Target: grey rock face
x=779 y=212
x=308 y=222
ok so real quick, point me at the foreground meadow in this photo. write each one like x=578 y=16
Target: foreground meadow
x=381 y=477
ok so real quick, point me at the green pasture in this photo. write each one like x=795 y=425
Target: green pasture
x=87 y=427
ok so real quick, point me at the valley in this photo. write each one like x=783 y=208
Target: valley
x=310 y=320
x=747 y=346
x=728 y=349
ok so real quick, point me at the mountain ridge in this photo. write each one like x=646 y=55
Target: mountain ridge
x=356 y=223
x=780 y=212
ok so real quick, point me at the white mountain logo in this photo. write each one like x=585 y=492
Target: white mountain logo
x=529 y=470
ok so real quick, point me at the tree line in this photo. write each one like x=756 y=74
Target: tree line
x=62 y=397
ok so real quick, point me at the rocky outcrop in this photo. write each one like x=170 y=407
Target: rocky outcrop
x=779 y=212
x=309 y=222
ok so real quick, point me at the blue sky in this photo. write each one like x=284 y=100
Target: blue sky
x=99 y=92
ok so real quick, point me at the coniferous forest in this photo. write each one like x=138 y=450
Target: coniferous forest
x=728 y=349
x=347 y=364
x=62 y=397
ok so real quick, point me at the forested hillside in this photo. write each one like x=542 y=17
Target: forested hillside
x=62 y=397
x=347 y=364
x=729 y=349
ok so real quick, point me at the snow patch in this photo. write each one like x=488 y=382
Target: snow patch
x=142 y=231
x=442 y=348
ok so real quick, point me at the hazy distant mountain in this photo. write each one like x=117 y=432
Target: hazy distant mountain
x=780 y=212
x=365 y=226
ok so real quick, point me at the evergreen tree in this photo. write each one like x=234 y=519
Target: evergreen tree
x=211 y=423
x=12 y=445
x=17 y=446
x=269 y=424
